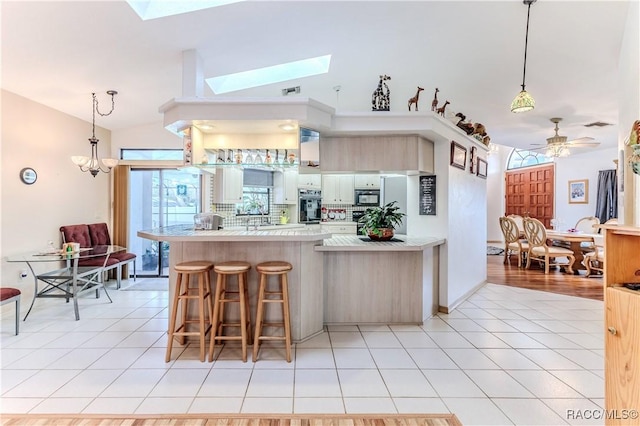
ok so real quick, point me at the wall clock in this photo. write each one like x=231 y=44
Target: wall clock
x=28 y=176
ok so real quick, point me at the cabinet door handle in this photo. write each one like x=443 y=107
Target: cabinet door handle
x=612 y=330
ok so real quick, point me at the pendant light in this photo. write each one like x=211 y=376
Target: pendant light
x=92 y=164
x=524 y=101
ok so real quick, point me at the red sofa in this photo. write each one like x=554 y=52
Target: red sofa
x=96 y=234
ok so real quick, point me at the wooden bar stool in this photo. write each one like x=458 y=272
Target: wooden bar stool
x=281 y=295
x=184 y=293
x=240 y=296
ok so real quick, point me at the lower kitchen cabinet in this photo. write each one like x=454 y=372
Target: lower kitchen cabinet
x=339 y=227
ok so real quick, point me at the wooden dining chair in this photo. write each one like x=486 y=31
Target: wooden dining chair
x=513 y=243
x=539 y=250
x=594 y=260
x=519 y=223
x=588 y=225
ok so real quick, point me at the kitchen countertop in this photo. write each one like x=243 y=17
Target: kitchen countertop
x=184 y=233
x=354 y=243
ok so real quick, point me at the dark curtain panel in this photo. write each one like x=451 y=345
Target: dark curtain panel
x=607 y=202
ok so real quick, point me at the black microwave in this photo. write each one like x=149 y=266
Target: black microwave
x=367 y=197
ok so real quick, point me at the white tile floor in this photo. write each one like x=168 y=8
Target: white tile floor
x=505 y=356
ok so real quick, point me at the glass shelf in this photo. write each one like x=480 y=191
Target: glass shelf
x=259 y=166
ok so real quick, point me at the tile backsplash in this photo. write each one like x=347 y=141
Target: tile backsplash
x=231 y=219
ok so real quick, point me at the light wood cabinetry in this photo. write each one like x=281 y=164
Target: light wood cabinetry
x=309 y=181
x=366 y=181
x=622 y=324
x=227 y=188
x=405 y=153
x=337 y=189
x=285 y=187
x=339 y=228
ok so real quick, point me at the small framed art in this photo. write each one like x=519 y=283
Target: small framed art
x=482 y=168
x=458 y=155
x=579 y=191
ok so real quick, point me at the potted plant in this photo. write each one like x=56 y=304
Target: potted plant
x=379 y=222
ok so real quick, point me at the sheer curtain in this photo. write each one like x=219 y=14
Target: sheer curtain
x=607 y=196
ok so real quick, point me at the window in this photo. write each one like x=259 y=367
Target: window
x=255 y=201
x=151 y=154
x=524 y=158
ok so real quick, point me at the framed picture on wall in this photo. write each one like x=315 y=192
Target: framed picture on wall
x=482 y=168
x=579 y=191
x=458 y=155
x=472 y=160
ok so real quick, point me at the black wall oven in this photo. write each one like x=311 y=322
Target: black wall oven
x=310 y=205
x=367 y=197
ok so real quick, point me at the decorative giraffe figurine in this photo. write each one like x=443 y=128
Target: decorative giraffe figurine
x=434 y=103
x=380 y=99
x=414 y=100
x=441 y=109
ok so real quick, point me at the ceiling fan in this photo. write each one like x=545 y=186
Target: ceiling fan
x=558 y=146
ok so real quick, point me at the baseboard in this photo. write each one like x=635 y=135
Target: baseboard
x=459 y=300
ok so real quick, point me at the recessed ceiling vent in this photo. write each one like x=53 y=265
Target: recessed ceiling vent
x=290 y=90
x=597 y=124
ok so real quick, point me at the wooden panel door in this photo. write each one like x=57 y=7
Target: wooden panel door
x=530 y=191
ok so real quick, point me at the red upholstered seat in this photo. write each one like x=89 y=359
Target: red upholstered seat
x=77 y=234
x=8 y=293
x=97 y=234
x=11 y=295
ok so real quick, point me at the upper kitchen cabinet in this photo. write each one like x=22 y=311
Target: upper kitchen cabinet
x=366 y=181
x=227 y=188
x=404 y=153
x=309 y=181
x=285 y=187
x=337 y=189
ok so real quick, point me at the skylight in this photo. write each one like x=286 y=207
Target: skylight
x=151 y=9
x=268 y=75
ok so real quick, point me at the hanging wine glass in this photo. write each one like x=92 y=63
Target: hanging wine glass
x=268 y=159
x=238 y=156
x=258 y=158
x=249 y=159
x=229 y=155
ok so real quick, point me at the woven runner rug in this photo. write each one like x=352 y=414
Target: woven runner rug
x=234 y=420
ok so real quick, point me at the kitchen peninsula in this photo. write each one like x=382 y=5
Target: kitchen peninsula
x=335 y=280
x=294 y=246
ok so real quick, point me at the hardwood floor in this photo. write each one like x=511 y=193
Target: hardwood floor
x=535 y=279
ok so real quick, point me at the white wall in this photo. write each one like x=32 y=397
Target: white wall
x=36 y=136
x=150 y=136
x=578 y=167
x=461 y=207
x=629 y=110
x=496 y=192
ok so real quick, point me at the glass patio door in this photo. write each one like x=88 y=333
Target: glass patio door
x=159 y=198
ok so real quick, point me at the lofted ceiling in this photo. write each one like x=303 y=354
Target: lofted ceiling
x=58 y=53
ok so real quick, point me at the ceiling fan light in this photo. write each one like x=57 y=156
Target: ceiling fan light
x=523 y=102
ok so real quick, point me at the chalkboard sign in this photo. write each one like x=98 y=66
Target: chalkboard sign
x=428 y=195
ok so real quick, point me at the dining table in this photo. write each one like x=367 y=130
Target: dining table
x=70 y=279
x=575 y=240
